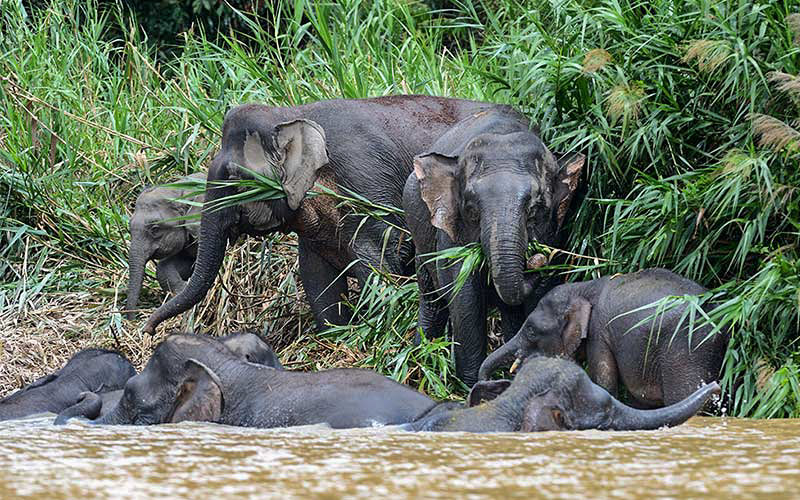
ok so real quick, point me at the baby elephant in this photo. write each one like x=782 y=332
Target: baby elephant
x=555 y=394
x=97 y=370
x=155 y=234
x=608 y=320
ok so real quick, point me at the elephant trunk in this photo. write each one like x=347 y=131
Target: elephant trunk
x=505 y=245
x=502 y=356
x=625 y=418
x=137 y=260
x=88 y=406
x=215 y=229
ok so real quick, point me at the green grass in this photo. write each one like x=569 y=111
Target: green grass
x=686 y=112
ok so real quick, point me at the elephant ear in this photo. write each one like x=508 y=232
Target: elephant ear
x=438 y=185
x=199 y=397
x=569 y=172
x=543 y=412
x=577 y=327
x=301 y=144
x=486 y=390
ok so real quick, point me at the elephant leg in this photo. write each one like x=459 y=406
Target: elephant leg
x=511 y=319
x=170 y=273
x=433 y=313
x=468 y=320
x=325 y=286
x=602 y=365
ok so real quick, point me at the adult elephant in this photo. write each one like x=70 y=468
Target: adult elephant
x=161 y=232
x=96 y=370
x=196 y=378
x=610 y=321
x=489 y=180
x=360 y=146
x=555 y=394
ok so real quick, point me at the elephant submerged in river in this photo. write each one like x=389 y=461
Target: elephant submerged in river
x=197 y=378
x=96 y=370
x=489 y=180
x=555 y=394
x=246 y=346
x=360 y=146
x=607 y=319
x=161 y=232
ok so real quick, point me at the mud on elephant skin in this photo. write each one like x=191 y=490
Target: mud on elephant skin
x=607 y=321
x=488 y=180
x=158 y=234
x=247 y=346
x=197 y=378
x=363 y=146
x=96 y=370
x=555 y=394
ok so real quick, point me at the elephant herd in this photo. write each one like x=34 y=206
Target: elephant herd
x=464 y=172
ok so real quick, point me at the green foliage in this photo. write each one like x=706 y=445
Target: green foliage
x=686 y=111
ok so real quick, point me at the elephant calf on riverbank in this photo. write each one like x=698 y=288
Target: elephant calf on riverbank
x=160 y=231
x=95 y=370
x=197 y=378
x=555 y=394
x=648 y=349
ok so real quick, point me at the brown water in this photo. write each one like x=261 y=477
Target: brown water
x=706 y=458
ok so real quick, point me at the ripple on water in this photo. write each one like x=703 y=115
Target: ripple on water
x=707 y=458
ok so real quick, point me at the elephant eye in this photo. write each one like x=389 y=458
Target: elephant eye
x=558 y=418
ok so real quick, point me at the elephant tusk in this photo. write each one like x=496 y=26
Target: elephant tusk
x=515 y=365
x=535 y=262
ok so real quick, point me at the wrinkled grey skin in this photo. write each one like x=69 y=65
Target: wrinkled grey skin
x=365 y=146
x=97 y=370
x=555 y=394
x=173 y=243
x=488 y=180
x=197 y=378
x=251 y=347
x=247 y=346
x=590 y=319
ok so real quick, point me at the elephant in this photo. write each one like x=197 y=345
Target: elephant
x=156 y=234
x=607 y=321
x=555 y=394
x=246 y=346
x=489 y=180
x=197 y=378
x=361 y=147
x=97 y=370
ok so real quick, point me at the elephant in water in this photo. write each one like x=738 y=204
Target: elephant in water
x=156 y=234
x=197 y=378
x=351 y=146
x=488 y=180
x=245 y=345
x=608 y=318
x=97 y=370
x=555 y=394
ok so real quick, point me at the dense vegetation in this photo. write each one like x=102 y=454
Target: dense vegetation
x=687 y=112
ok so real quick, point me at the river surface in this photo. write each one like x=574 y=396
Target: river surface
x=705 y=458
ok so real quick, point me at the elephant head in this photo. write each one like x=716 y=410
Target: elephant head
x=292 y=152
x=502 y=190
x=176 y=384
x=557 y=327
x=555 y=394
x=157 y=232
x=252 y=348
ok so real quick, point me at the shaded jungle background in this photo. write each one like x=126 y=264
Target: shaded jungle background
x=688 y=113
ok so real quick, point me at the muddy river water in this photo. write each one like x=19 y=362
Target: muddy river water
x=705 y=458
